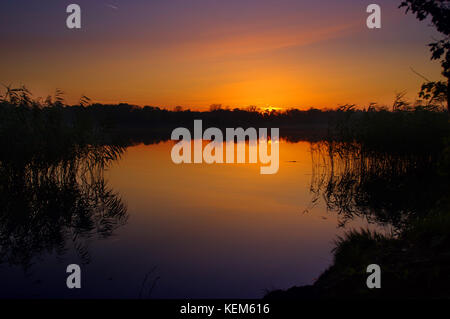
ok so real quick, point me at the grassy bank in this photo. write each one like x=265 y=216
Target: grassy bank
x=391 y=168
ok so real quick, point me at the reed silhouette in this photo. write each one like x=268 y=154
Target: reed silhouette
x=48 y=206
x=397 y=182
x=51 y=120
x=385 y=188
x=52 y=190
x=390 y=167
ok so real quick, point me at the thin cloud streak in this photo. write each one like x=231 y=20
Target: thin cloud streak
x=245 y=44
x=112 y=6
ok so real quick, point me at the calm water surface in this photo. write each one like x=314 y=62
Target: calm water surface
x=196 y=231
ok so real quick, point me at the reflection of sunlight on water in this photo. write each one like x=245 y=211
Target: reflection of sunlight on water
x=224 y=221
x=251 y=151
x=236 y=232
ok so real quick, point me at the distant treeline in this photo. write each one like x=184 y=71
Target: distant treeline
x=149 y=124
x=124 y=114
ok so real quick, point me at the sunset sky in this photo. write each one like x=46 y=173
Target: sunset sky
x=193 y=53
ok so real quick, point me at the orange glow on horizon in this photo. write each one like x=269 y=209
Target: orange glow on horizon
x=277 y=58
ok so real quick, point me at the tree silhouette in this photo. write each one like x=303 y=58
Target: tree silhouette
x=439 y=11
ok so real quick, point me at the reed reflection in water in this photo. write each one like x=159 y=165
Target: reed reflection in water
x=384 y=187
x=198 y=230
x=48 y=205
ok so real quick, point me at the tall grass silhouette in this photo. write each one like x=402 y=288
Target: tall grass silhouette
x=53 y=194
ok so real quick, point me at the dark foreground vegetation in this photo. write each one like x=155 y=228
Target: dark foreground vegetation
x=129 y=124
x=52 y=192
x=393 y=169
x=125 y=124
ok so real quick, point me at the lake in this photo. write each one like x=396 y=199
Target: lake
x=192 y=231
